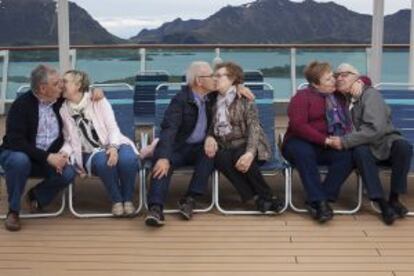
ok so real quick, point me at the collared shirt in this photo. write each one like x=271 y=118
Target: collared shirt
x=48 y=128
x=199 y=132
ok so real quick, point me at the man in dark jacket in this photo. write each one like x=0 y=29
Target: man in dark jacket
x=31 y=144
x=374 y=141
x=181 y=143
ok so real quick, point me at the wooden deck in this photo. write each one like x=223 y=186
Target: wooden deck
x=211 y=244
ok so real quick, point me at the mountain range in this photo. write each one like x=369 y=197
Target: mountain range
x=34 y=22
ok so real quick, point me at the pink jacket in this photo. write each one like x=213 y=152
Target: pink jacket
x=103 y=120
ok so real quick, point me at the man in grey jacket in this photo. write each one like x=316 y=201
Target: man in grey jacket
x=374 y=141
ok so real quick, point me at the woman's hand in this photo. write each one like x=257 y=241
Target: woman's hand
x=97 y=94
x=243 y=91
x=356 y=88
x=210 y=147
x=112 y=153
x=244 y=162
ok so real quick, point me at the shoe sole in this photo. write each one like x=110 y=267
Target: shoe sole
x=153 y=221
x=185 y=215
x=12 y=228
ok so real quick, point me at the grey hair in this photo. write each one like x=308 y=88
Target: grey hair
x=40 y=76
x=193 y=70
x=346 y=67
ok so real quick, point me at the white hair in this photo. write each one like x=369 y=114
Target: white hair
x=193 y=70
x=346 y=67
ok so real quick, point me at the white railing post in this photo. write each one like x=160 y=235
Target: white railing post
x=142 y=54
x=411 y=59
x=377 y=41
x=5 y=55
x=63 y=35
x=293 y=70
x=217 y=59
x=72 y=56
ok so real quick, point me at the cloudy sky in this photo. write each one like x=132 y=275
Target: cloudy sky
x=125 y=18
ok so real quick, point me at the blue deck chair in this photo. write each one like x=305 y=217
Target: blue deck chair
x=253 y=76
x=144 y=95
x=400 y=98
x=267 y=115
x=324 y=170
x=164 y=94
x=20 y=91
x=120 y=95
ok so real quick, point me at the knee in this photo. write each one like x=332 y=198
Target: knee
x=128 y=161
x=361 y=153
x=68 y=174
x=297 y=151
x=403 y=148
x=19 y=161
x=99 y=162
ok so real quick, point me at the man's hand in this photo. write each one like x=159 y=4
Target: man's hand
x=58 y=161
x=243 y=91
x=161 y=168
x=335 y=142
x=112 y=153
x=244 y=162
x=210 y=147
x=97 y=94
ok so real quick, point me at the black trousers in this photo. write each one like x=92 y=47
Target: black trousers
x=247 y=184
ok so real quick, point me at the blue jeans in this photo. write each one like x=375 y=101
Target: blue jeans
x=399 y=161
x=188 y=155
x=118 y=180
x=18 y=168
x=306 y=157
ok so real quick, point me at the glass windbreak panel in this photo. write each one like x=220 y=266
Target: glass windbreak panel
x=21 y=63
x=109 y=65
x=273 y=63
x=355 y=56
x=395 y=65
x=176 y=61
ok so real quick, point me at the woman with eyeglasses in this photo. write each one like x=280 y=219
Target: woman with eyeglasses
x=315 y=114
x=237 y=142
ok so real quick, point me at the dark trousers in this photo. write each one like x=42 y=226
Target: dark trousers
x=306 y=157
x=247 y=184
x=399 y=161
x=18 y=168
x=188 y=155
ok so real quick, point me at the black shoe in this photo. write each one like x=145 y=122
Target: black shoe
x=399 y=208
x=154 y=216
x=388 y=215
x=277 y=205
x=33 y=204
x=320 y=211
x=263 y=204
x=186 y=206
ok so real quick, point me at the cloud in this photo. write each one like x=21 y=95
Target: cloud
x=128 y=26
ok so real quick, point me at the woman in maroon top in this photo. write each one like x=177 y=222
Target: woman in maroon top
x=315 y=113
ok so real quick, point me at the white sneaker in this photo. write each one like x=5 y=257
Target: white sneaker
x=129 y=208
x=117 y=209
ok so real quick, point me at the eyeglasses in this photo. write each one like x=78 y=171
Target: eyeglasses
x=343 y=74
x=206 y=76
x=218 y=76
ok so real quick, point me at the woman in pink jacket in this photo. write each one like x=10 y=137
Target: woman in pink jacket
x=96 y=145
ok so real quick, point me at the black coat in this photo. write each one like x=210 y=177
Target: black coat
x=22 y=124
x=179 y=121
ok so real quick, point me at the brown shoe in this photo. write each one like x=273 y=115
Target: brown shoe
x=12 y=222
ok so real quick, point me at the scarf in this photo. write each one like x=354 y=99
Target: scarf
x=87 y=132
x=339 y=122
x=222 y=126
